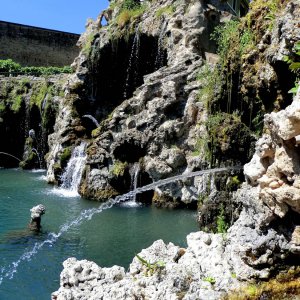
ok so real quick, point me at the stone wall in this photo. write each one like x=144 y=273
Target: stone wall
x=33 y=46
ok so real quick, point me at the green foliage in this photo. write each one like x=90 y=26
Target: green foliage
x=16 y=105
x=44 y=71
x=39 y=94
x=166 y=10
x=130 y=4
x=267 y=9
x=88 y=44
x=210 y=80
x=232 y=40
x=8 y=66
x=2 y=107
x=151 y=268
x=233 y=183
x=127 y=16
x=130 y=11
x=286 y=285
x=209 y=279
x=119 y=168
x=201 y=148
x=65 y=155
x=294 y=66
x=222 y=226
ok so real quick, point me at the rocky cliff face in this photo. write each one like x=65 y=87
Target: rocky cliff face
x=159 y=127
x=263 y=241
x=139 y=79
x=152 y=81
x=31 y=102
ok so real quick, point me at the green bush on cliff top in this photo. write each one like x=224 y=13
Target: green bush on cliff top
x=8 y=67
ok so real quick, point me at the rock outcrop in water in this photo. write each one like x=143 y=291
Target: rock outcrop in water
x=36 y=215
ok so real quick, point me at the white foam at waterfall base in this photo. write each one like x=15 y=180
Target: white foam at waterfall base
x=9 y=271
x=73 y=172
x=38 y=171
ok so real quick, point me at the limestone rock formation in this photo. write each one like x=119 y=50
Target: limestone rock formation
x=36 y=215
x=159 y=126
x=31 y=102
x=212 y=264
x=148 y=112
x=275 y=167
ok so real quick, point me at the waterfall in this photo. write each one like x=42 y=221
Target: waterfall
x=159 y=61
x=93 y=119
x=72 y=175
x=134 y=58
x=134 y=182
x=8 y=272
x=38 y=156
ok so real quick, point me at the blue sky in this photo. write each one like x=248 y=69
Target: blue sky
x=64 y=15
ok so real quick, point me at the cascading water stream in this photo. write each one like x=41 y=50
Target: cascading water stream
x=72 y=175
x=132 y=69
x=8 y=272
x=159 y=61
x=136 y=172
x=38 y=157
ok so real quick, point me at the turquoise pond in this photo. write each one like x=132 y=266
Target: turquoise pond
x=110 y=237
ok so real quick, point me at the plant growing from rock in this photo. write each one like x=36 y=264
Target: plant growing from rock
x=130 y=10
x=119 y=168
x=294 y=66
x=151 y=268
x=210 y=279
x=222 y=225
x=166 y=10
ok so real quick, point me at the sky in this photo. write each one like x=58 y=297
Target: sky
x=63 y=15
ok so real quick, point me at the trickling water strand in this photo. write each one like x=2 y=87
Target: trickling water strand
x=72 y=175
x=10 y=156
x=27 y=115
x=9 y=271
x=134 y=58
x=134 y=182
x=153 y=185
x=38 y=156
x=135 y=178
x=160 y=43
x=212 y=182
x=93 y=119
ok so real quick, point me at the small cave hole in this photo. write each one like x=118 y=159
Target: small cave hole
x=129 y=152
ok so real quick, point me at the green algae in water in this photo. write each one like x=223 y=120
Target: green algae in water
x=111 y=237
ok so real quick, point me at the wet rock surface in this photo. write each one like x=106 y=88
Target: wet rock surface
x=36 y=215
